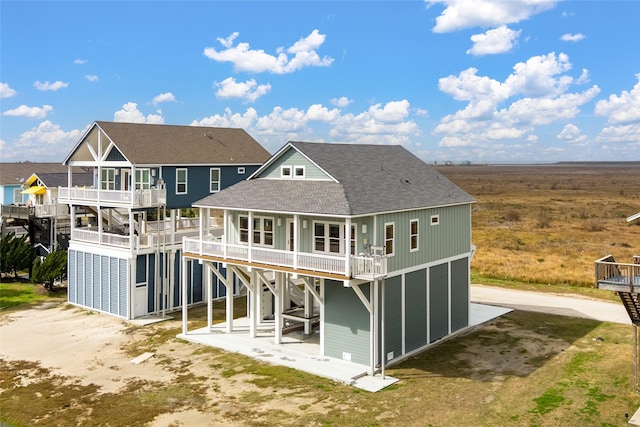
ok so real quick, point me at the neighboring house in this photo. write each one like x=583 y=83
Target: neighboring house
x=335 y=235
x=48 y=221
x=125 y=259
x=623 y=279
x=13 y=177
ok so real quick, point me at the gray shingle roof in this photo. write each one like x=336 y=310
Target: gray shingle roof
x=11 y=173
x=52 y=180
x=371 y=179
x=184 y=145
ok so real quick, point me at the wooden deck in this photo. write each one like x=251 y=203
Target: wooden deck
x=617 y=276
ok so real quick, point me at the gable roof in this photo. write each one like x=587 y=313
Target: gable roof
x=12 y=173
x=151 y=144
x=368 y=179
x=52 y=180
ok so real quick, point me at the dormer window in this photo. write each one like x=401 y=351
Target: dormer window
x=285 y=172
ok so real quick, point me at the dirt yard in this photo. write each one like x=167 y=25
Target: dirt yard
x=62 y=365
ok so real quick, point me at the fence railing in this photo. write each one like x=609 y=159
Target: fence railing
x=133 y=198
x=362 y=267
x=609 y=271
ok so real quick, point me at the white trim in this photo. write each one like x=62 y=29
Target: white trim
x=393 y=238
x=286 y=172
x=417 y=248
x=186 y=180
x=219 y=181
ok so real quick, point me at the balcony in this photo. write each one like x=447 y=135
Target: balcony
x=120 y=238
x=362 y=267
x=152 y=197
x=618 y=276
x=38 y=211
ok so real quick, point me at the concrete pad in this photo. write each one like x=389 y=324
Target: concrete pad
x=302 y=352
x=635 y=419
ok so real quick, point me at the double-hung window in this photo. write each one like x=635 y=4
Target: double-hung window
x=243 y=228
x=263 y=231
x=389 y=237
x=413 y=235
x=108 y=179
x=181 y=181
x=328 y=237
x=143 y=179
x=214 y=180
x=17 y=196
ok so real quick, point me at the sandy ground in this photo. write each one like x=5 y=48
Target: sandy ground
x=86 y=346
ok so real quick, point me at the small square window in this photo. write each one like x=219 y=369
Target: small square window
x=435 y=219
x=241 y=171
x=285 y=171
x=299 y=172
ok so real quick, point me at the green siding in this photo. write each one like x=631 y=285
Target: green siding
x=438 y=302
x=393 y=316
x=293 y=158
x=347 y=327
x=459 y=294
x=451 y=237
x=416 y=309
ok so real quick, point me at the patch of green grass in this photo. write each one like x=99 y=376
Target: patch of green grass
x=551 y=399
x=18 y=295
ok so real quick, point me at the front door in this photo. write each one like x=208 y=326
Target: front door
x=125 y=184
x=290 y=235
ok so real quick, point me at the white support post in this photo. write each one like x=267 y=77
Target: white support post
x=279 y=276
x=308 y=309
x=253 y=315
x=384 y=350
x=229 y=305
x=374 y=325
x=209 y=282
x=185 y=311
x=347 y=247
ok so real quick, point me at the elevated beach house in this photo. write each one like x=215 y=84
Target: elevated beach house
x=125 y=254
x=364 y=244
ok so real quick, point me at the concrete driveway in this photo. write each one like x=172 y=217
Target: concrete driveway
x=574 y=306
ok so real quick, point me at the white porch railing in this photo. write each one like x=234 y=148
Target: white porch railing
x=123 y=241
x=133 y=198
x=362 y=267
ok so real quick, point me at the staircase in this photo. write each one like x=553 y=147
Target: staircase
x=631 y=304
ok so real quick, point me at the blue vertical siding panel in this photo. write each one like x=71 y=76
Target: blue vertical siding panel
x=416 y=309
x=104 y=283
x=459 y=294
x=438 y=302
x=150 y=262
x=97 y=295
x=177 y=289
x=393 y=316
x=112 y=280
x=197 y=282
x=347 y=327
x=123 y=268
x=81 y=282
x=72 y=283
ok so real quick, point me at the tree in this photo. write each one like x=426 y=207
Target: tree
x=15 y=254
x=54 y=267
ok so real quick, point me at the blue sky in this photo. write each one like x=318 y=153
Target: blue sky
x=457 y=80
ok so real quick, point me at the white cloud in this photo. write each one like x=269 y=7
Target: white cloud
x=381 y=123
x=244 y=58
x=539 y=92
x=249 y=90
x=572 y=134
x=80 y=61
x=623 y=108
x=50 y=86
x=341 y=102
x=91 y=77
x=30 y=112
x=45 y=142
x=6 y=91
x=572 y=37
x=622 y=134
x=163 y=97
x=498 y=40
x=131 y=114
x=463 y=14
